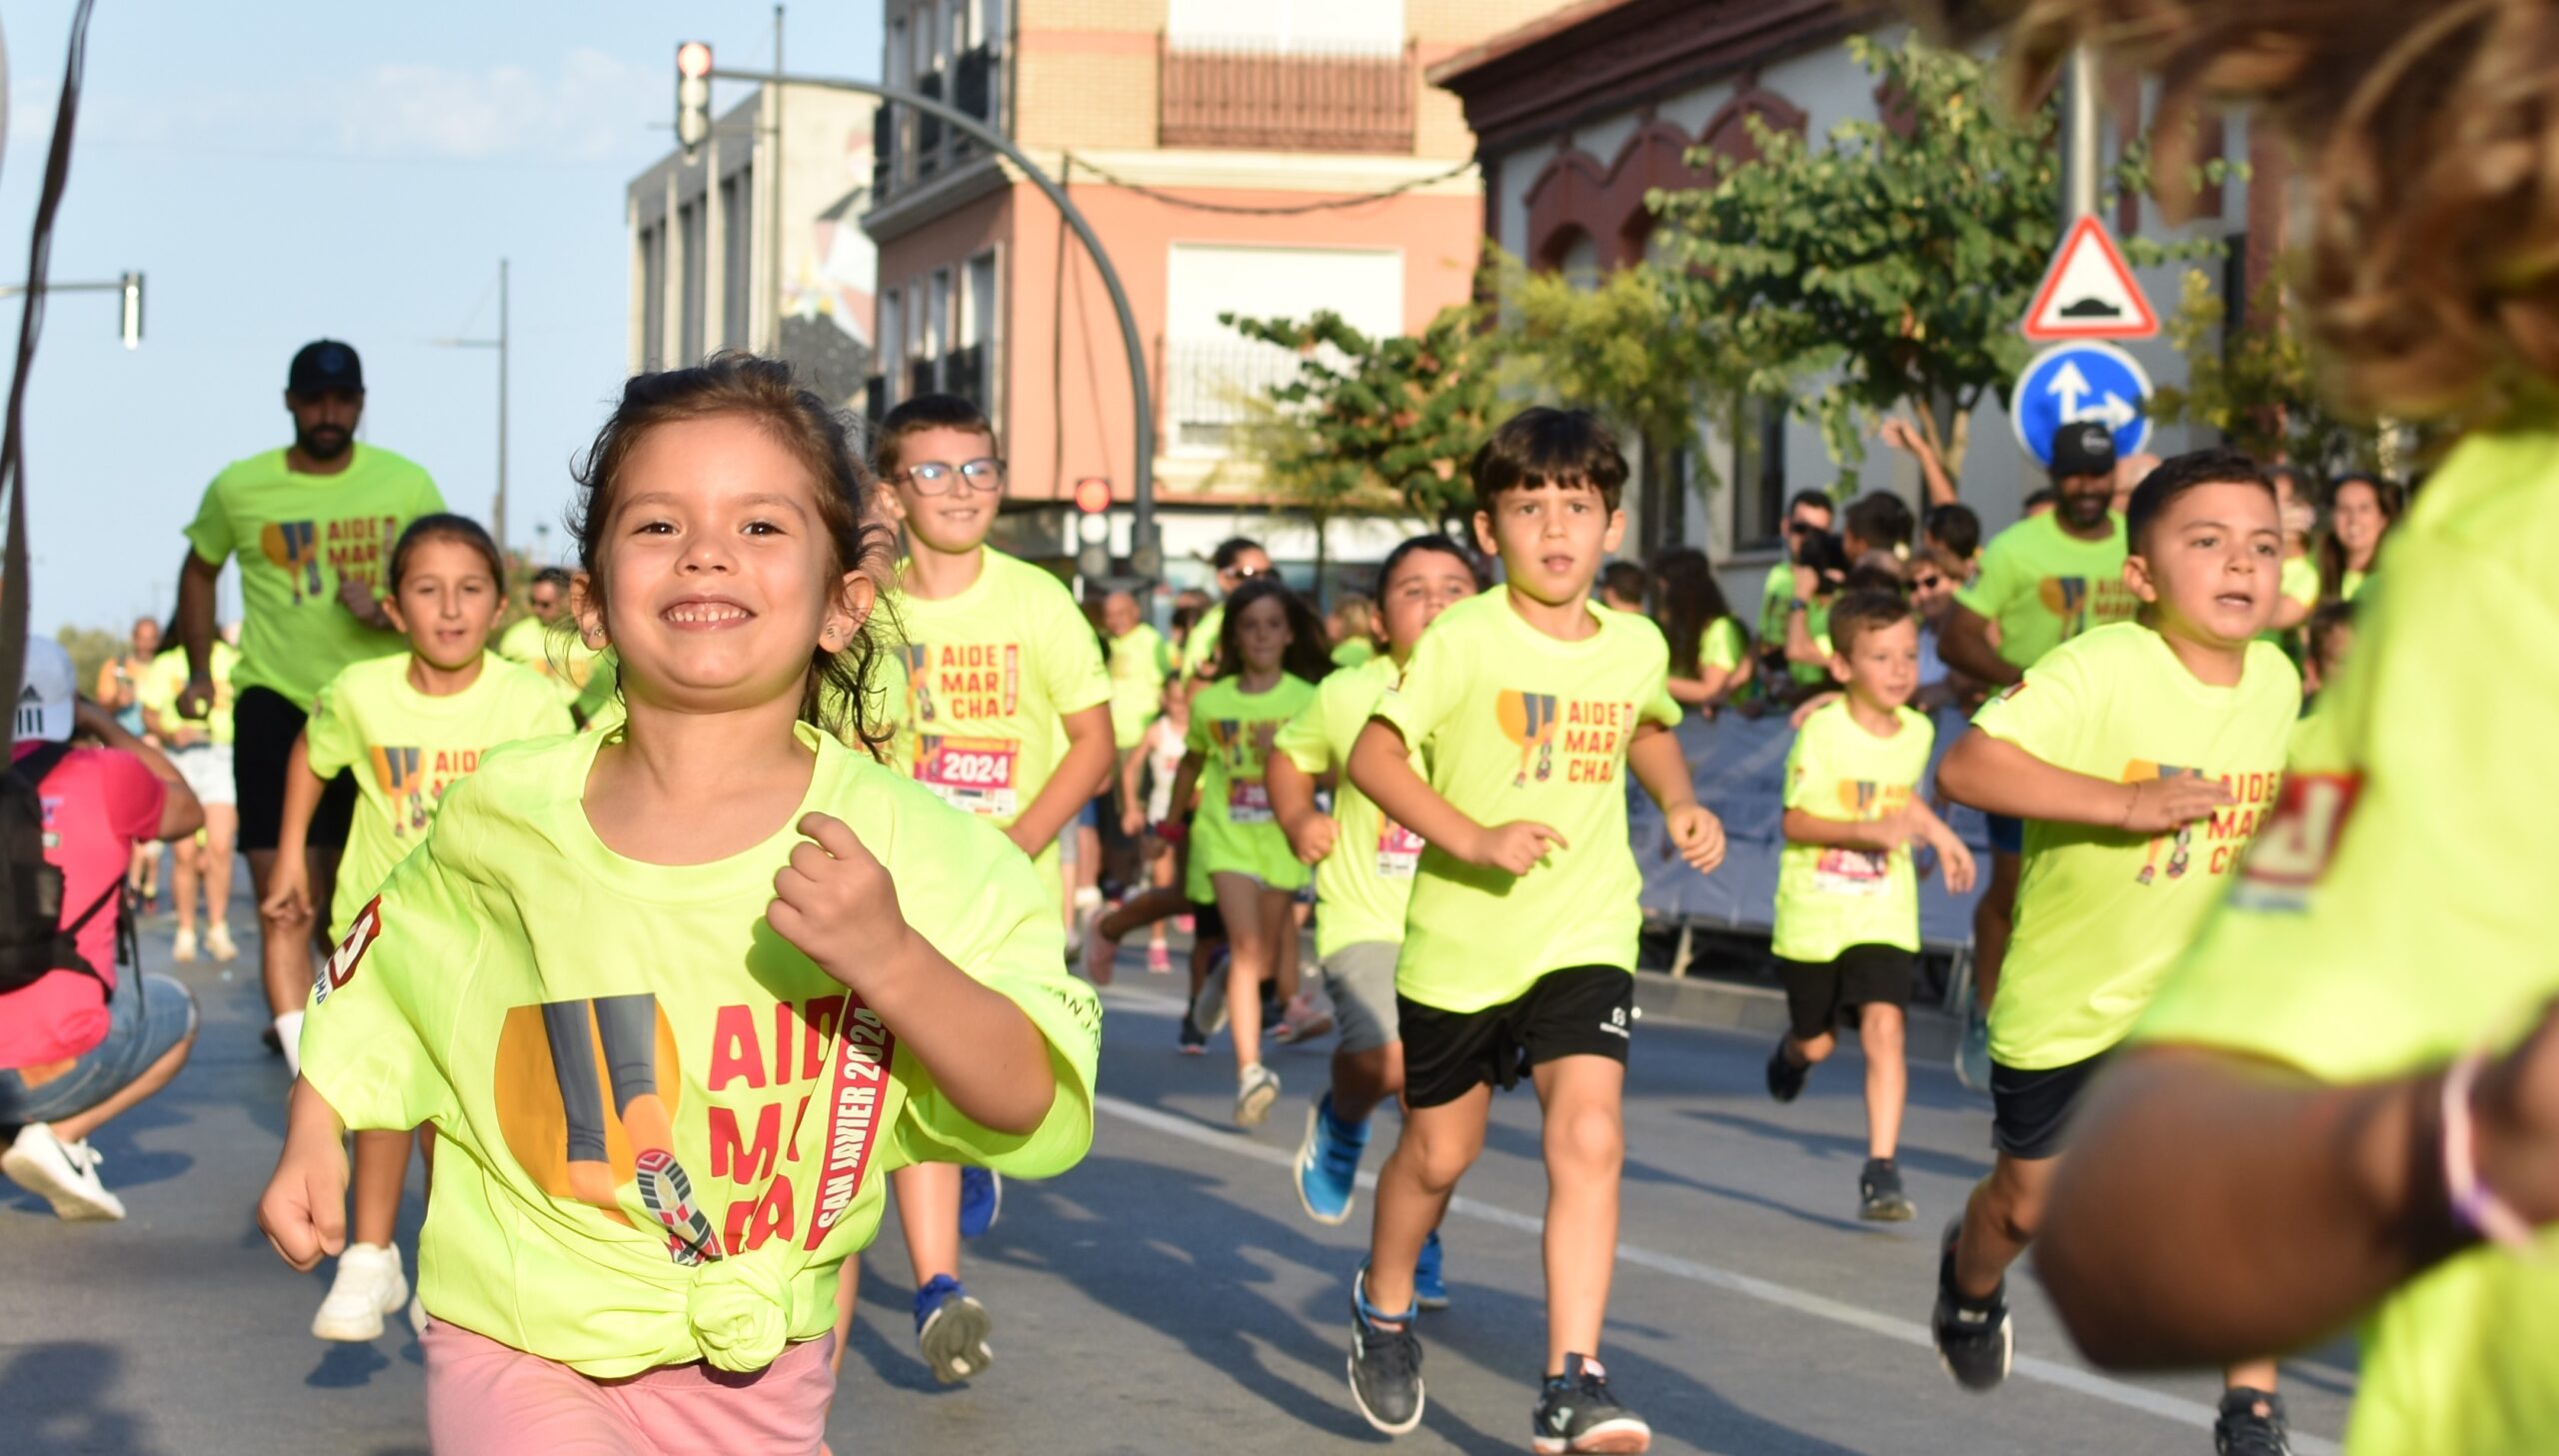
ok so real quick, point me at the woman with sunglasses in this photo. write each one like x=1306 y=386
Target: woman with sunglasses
x=1236 y=561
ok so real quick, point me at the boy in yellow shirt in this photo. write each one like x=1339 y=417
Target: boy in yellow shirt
x=1848 y=913
x=1529 y=704
x=2142 y=757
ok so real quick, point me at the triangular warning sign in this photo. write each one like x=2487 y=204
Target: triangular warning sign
x=2088 y=292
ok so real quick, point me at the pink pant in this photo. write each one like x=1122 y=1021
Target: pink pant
x=487 y=1399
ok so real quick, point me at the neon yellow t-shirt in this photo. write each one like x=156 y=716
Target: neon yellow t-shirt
x=550 y=1005
x=1234 y=831
x=1351 y=651
x=2395 y=912
x=2044 y=586
x=1776 y=594
x=1138 y=664
x=557 y=653
x=1516 y=725
x=1203 y=639
x=2102 y=912
x=159 y=688
x=1722 y=646
x=1830 y=897
x=407 y=749
x=2350 y=584
x=1363 y=887
x=987 y=677
x=2300 y=580
x=298 y=536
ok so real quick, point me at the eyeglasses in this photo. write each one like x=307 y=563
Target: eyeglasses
x=933 y=478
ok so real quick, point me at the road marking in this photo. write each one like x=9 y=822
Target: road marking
x=2051 y=1372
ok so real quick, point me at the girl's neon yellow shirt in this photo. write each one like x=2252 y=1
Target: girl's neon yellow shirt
x=1236 y=732
x=557 y=1011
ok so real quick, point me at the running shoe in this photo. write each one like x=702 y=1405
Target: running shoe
x=1159 y=958
x=64 y=1174
x=1880 y=1195
x=950 y=1329
x=1974 y=1338
x=1209 y=1009
x=668 y=1195
x=1328 y=1163
x=1257 y=1087
x=2243 y=1430
x=218 y=943
x=1193 y=1040
x=368 y=1285
x=1577 y=1412
x=184 y=951
x=980 y=1200
x=1785 y=1074
x=1972 y=1054
x=1430 y=1283
x=1386 y=1363
x=1302 y=1019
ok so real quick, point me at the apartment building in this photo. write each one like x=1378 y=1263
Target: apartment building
x=1267 y=159
x=706 y=272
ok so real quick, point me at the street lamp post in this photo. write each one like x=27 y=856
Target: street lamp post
x=498 y=508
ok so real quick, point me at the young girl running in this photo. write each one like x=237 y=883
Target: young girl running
x=1145 y=788
x=411 y=725
x=842 y=976
x=1239 y=858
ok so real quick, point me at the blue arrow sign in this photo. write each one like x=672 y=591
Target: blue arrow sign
x=2070 y=383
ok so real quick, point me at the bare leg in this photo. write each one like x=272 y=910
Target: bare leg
x=221 y=832
x=185 y=868
x=1363 y=1079
x=847 y=1289
x=1994 y=920
x=2000 y=1221
x=928 y=1211
x=1585 y=1148
x=155 y=1077
x=1437 y=1147
x=1249 y=936
x=381 y=1172
x=1880 y=1033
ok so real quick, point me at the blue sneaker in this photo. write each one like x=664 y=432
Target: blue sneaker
x=980 y=1200
x=1972 y=1055
x=1328 y=1162
x=1429 y=1287
x=952 y=1329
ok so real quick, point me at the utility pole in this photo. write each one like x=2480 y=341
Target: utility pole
x=498 y=507
x=2078 y=137
x=774 y=243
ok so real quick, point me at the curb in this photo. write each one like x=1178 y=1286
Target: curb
x=1694 y=1000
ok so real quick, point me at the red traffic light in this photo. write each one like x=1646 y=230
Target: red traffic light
x=1093 y=494
x=693 y=59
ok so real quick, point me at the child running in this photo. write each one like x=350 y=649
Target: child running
x=1363 y=865
x=1146 y=796
x=2142 y=756
x=1529 y=704
x=1848 y=913
x=1006 y=715
x=411 y=727
x=1275 y=651
x=744 y=966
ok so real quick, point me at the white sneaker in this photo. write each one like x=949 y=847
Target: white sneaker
x=1257 y=1087
x=417 y=1316
x=217 y=940
x=185 y=949
x=369 y=1285
x=65 y=1174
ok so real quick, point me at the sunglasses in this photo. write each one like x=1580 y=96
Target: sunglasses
x=933 y=478
x=1929 y=583
x=1247 y=574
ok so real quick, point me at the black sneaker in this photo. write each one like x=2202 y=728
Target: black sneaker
x=1974 y=1340
x=1576 y=1412
x=1193 y=1041
x=1385 y=1364
x=2243 y=1430
x=1880 y=1195
x=1785 y=1074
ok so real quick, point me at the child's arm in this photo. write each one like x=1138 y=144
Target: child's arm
x=1882 y=836
x=833 y=901
x=1132 y=773
x=1078 y=776
x=1185 y=784
x=304 y=1210
x=1996 y=776
x=289 y=884
x=1293 y=802
x=1663 y=772
x=1952 y=852
x=1380 y=770
x=1966 y=648
x=1800 y=647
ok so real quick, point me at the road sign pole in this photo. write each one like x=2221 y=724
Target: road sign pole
x=2078 y=137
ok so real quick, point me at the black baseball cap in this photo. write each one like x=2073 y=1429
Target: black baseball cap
x=2082 y=448
x=325 y=365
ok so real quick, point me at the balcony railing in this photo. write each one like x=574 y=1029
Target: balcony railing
x=1211 y=384
x=1295 y=100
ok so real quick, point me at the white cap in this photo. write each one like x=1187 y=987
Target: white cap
x=45 y=703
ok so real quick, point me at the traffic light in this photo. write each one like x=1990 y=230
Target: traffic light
x=1092 y=527
x=693 y=95
x=129 y=315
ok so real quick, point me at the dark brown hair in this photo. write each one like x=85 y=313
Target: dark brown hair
x=444 y=525
x=926 y=411
x=2330 y=552
x=2179 y=473
x=1687 y=601
x=838 y=694
x=1306 y=655
x=1860 y=612
x=1541 y=446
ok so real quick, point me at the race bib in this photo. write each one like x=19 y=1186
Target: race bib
x=1399 y=851
x=1248 y=801
x=973 y=774
x=1851 y=871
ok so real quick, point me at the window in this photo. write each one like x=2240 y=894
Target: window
x=1210 y=369
x=1758 y=475
x=653 y=298
x=978 y=313
x=690 y=230
x=737 y=258
x=893 y=334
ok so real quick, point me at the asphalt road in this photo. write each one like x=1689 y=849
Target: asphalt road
x=1168 y=1295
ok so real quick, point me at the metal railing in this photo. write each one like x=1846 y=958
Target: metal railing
x=1210 y=383
x=1295 y=98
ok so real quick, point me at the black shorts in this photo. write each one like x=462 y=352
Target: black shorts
x=1587 y=1010
x=1863 y=976
x=2031 y=1111
x=264 y=725
x=1208 y=922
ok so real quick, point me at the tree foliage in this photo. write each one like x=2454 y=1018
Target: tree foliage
x=1626 y=347
x=2258 y=384
x=91 y=648
x=1886 y=264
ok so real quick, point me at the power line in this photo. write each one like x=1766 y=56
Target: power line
x=1331 y=204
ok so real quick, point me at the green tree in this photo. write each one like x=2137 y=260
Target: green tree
x=1886 y=265
x=91 y=648
x=2258 y=384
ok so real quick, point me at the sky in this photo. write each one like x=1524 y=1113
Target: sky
x=284 y=170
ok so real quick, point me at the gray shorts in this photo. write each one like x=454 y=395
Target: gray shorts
x=1361 y=978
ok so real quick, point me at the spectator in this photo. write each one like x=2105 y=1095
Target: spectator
x=1904 y=436
x=121 y=677
x=1709 y=653
x=1957 y=531
x=1808 y=513
x=82 y=1043
x=1934 y=580
x=1879 y=521
x=2301 y=579
x=2331 y=634
x=1352 y=626
x=2361 y=507
x=1622 y=587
